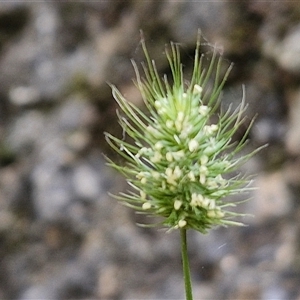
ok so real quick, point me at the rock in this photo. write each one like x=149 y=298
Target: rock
x=71 y=281
x=52 y=191
x=293 y=131
x=268 y=130
x=108 y=284
x=272 y=198
x=38 y=292
x=192 y=16
x=274 y=291
x=87 y=182
x=25 y=132
x=288 y=54
x=24 y=95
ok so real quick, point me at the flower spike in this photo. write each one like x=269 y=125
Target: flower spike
x=179 y=163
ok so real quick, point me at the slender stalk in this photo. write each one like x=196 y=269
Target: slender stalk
x=185 y=266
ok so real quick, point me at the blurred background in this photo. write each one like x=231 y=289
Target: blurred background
x=61 y=235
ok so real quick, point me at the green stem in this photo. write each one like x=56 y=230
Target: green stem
x=186 y=267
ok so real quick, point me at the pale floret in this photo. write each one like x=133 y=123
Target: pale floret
x=177 y=172
x=182 y=223
x=173 y=175
x=158 y=146
x=170 y=124
x=215 y=214
x=206 y=202
x=212 y=184
x=191 y=176
x=142 y=177
x=203 y=110
x=187 y=128
x=204 y=159
x=197 y=89
x=177 y=204
x=177 y=139
x=141 y=152
x=211 y=204
x=179 y=121
x=180 y=116
x=143 y=194
x=178 y=125
x=219 y=214
x=156 y=157
x=210 y=129
x=146 y=205
x=193 y=145
x=203 y=173
x=178 y=154
x=214 y=127
x=155 y=174
x=162 y=111
x=196 y=200
x=157 y=104
x=152 y=130
x=169 y=156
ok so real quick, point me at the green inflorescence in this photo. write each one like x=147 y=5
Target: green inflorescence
x=183 y=153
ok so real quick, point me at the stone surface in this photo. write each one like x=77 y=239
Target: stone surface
x=293 y=130
x=61 y=235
